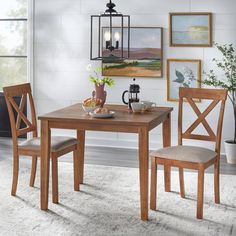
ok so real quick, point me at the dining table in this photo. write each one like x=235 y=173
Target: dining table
x=123 y=120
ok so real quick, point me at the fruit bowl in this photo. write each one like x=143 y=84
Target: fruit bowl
x=89 y=109
x=90 y=104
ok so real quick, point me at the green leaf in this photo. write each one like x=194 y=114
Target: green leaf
x=100 y=81
x=228 y=65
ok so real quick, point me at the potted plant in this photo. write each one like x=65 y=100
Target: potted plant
x=99 y=83
x=228 y=65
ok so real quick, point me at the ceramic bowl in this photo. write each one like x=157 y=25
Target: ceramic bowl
x=89 y=109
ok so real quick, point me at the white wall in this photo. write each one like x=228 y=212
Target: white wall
x=61 y=50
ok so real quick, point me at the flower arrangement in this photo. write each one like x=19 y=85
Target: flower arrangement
x=97 y=80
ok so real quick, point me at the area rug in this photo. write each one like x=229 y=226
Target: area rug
x=108 y=204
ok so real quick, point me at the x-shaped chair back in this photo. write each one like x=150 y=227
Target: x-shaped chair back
x=23 y=91
x=191 y=95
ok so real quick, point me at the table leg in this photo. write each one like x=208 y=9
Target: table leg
x=166 y=132
x=143 y=171
x=45 y=163
x=81 y=138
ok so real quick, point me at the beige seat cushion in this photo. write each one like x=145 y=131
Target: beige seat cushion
x=58 y=143
x=185 y=153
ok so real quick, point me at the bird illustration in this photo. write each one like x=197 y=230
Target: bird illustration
x=180 y=77
x=185 y=85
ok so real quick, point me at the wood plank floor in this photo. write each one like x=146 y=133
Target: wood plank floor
x=110 y=157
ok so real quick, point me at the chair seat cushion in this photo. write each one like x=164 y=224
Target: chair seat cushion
x=58 y=143
x=185 y=153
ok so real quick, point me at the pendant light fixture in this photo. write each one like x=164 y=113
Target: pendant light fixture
x=110 y=35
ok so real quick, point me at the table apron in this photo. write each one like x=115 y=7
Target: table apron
x=96 y=127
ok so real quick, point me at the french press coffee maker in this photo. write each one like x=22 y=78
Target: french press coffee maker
x=133 y=91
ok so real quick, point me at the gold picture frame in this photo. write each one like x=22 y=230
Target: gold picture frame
x=182 y=73
x=193 y=29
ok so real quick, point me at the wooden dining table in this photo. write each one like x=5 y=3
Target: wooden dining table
x=124 y=120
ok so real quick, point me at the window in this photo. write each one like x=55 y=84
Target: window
x=13 y=42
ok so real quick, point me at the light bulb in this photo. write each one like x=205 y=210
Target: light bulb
x=117 y=36
x=107 y=36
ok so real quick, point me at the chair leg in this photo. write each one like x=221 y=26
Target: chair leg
x=200 y=193
x=76 y=170
x=33 y=171
x=167 y=177
x=217 y=181
x=153 y=184
x=181 y=182
x=15 y=174
x=54 y=179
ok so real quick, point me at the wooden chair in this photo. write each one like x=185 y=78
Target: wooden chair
x=192 y=157
x=60 y=145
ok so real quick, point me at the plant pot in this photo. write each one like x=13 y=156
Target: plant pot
x=230 y=151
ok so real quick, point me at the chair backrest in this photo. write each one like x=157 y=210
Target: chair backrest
x=190 y=95
x=23 y=91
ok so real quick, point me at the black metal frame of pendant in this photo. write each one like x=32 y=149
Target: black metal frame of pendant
x=110 y=13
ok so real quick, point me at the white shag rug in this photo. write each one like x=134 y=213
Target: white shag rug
x=108 y=204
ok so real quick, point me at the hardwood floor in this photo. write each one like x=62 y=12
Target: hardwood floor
x=111 y=157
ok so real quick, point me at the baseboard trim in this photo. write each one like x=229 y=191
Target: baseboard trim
x=126 y=144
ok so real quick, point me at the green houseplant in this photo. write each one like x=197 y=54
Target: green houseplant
x=99 y=83
x=228 y=65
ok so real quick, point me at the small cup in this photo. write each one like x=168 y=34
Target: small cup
x=149 y=104
x=138 y=106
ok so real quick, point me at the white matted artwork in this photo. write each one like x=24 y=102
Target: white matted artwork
x=182 y=73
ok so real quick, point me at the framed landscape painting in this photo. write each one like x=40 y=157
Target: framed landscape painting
x=182 y=73
x=190 y=29
x=145 y=57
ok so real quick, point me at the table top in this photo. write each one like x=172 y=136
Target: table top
x=122 y=115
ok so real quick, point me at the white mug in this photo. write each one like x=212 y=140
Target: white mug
x=149 y=104
x=138 y=106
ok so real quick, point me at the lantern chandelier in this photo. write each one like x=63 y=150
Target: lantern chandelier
x=110 y=35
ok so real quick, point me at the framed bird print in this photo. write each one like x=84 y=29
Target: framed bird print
x=182 y=73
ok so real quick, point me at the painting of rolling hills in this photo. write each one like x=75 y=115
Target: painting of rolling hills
x=145 y=56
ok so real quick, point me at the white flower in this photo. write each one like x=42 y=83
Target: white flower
x=89 y=67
